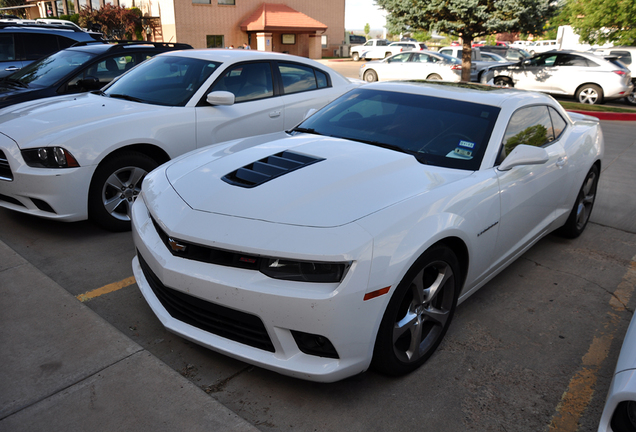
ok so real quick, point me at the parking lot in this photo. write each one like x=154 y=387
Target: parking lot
x=532 y=350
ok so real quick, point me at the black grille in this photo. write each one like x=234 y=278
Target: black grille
x=222 y=321
x=5 y=169
x=269 y=168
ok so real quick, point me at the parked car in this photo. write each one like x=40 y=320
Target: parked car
x=410 y=45
x=626 y=55
x=413 y=65
x=59 y=22
x=619 y=413
x=509 y=53
x=542 y=46
x=77 y=69
x=349 y=240
x=492 y=57
x=374 y=49
x=589 y=78
x=21 y=44
x=478 y=64
x=84 y=156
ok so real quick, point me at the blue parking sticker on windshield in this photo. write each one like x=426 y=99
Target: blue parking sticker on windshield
x=467 y=144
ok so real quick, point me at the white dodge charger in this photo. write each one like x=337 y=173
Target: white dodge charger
x=349 y=240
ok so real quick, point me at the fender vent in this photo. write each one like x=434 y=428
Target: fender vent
x=269 y=168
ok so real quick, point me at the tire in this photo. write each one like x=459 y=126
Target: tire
x=370 y=76
x=413 y=325
x=502 y=82
x=115 y=186
x=631 y=99
x=355 y=56
x=589 y=94
x=580 y=214
x=434 y=77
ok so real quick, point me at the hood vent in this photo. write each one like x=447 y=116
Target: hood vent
x=269 y=168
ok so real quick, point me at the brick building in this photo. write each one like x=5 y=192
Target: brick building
x=301 y=27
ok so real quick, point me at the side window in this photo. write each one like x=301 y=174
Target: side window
x=248 y=81
x=297 y=78
x=7 y=49
x=530 y=126
x=571 y=60
x=558 y=124
x=37 y=45
x=399 y=58
x=65 y=42
x=623 y=56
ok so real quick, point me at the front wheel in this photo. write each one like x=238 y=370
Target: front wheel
x=502 y=82
x=434 y=77
x=419 y=313
x=115 y=186
x=355 y=56
x=370 y=76
x=580 y=214
x=590 y=94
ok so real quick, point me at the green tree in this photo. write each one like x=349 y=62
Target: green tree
x=115 y=22
x=469 y=19
x=601 y=21
x=367 y=29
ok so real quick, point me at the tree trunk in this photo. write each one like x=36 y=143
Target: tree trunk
x=467 y=42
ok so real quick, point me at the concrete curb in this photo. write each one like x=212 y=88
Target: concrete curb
x=65 y=368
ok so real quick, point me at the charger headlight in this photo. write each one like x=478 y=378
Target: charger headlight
x=49 y=157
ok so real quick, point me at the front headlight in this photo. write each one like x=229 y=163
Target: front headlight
x=303 y=271
x=49 y=157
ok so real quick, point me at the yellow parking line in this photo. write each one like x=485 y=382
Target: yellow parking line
x=106 y=289
x=581 y=388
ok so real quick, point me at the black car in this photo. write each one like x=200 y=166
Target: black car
x=21 y=44
x=86 y=67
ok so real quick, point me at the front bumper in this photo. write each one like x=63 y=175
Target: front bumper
x=59 y=194
x=336 y=311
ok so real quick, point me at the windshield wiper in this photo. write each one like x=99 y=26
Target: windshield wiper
x=126 y=97
x=417 y=155
x=305 y=130
x=15 y=82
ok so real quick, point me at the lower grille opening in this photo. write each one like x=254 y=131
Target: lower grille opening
x=42 y=205
x=222 y=321
x=10 y=200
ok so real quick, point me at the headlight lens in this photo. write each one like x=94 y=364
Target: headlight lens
x=49 y=157
x=303 y=271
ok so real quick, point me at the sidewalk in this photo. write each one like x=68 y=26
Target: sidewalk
x=64 y=368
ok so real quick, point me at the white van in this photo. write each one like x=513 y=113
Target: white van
x=542 y=46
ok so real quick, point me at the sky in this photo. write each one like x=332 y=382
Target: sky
x=360 y=12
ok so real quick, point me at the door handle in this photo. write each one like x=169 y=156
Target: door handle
x=12 y=69
x=561 y=161
x=274 y=114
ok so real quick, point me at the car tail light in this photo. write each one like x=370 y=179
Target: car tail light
x=456 y=67
x=620 y=72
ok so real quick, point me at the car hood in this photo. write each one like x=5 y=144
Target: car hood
x=346 y=181
x=42 y=121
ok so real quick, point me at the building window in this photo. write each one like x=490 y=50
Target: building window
x=214 y=41
x=323 y=41
x=288 y=39
x=227 y=2
x=201 y=1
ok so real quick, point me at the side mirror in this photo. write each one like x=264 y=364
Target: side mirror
x=90 y=83
x=220 y=98
x=524 y=155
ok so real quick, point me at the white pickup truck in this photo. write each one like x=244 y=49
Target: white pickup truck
x=374 y=49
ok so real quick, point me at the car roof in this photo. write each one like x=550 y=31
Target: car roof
x=468 y=92
x=236 y=55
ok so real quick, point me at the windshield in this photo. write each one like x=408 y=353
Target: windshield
x=443 y=132
x=51 y=69
x=163 y=80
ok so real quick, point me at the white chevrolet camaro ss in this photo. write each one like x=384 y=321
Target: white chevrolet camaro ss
x=349 y=240
x=84 y=156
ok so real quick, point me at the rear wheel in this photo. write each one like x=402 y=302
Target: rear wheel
x=370 y=76
x=355 y=56
x=419 y=313
x=434 y=77
x=115 y=186
x=580 y=214
x=631 y=98
x=590 y=94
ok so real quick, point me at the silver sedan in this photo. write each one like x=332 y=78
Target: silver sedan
x=413 y=65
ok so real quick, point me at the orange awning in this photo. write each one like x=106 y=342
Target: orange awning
x=278 y=17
